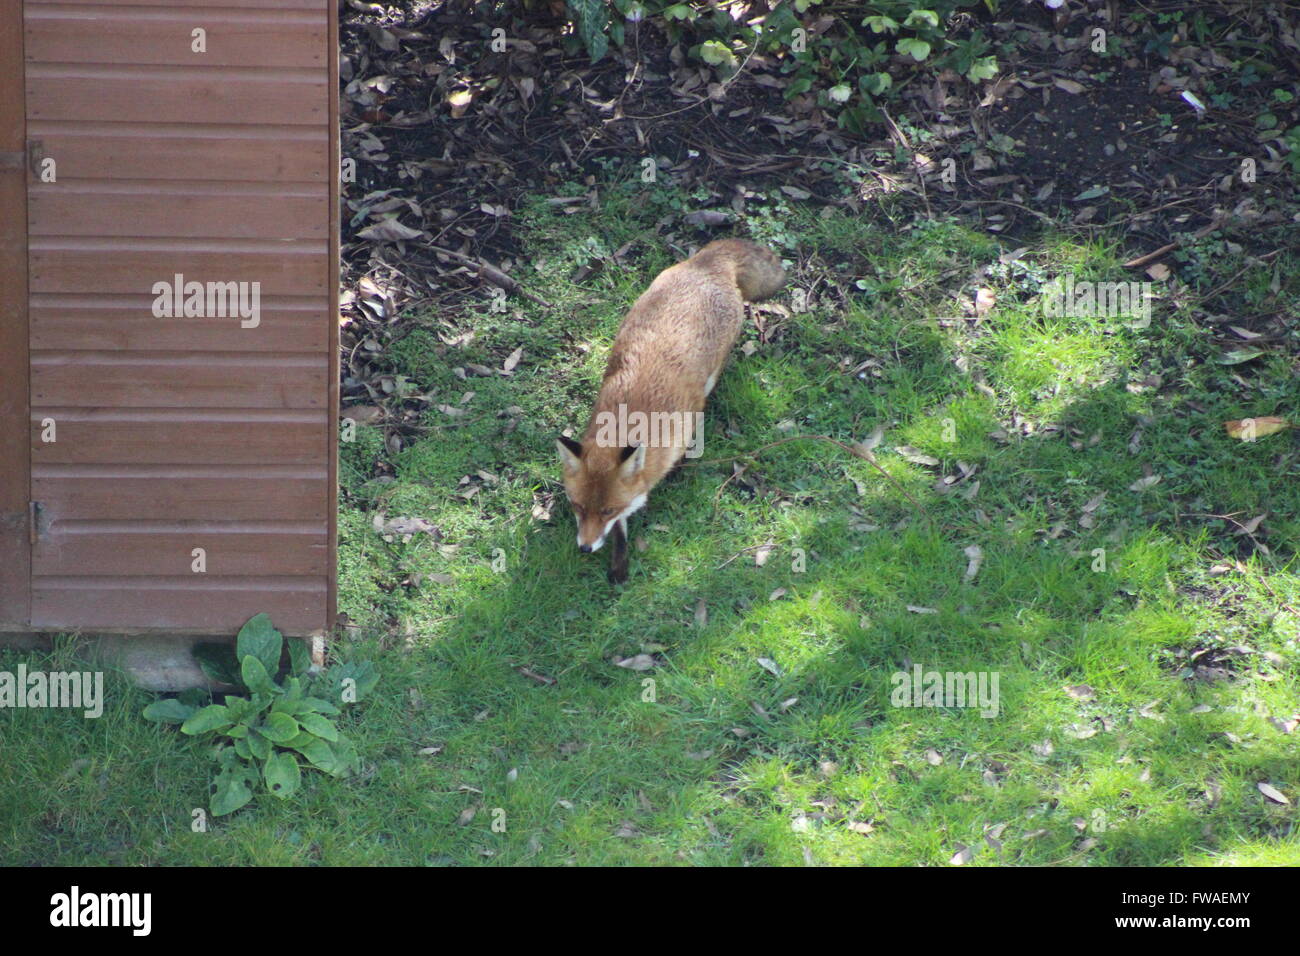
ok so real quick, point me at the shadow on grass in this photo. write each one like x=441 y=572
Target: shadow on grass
x=744 y=719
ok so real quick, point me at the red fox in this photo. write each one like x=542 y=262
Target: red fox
x=665 y=361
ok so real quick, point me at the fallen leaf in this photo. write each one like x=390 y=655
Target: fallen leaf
x=963 y=855
x=1273 y=793
x=1238 y=356
x=389 y=230
x=1258 y=427
x=641 y=662
x=1070 y=86
x=915 y=456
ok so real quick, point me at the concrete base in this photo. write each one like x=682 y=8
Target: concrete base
x=154 y=662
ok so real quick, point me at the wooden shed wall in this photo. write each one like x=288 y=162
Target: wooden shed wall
x=180 y=433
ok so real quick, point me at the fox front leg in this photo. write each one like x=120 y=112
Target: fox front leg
x=618 y=553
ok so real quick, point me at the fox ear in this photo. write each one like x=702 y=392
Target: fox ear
x=570 y=453
x=633 y=459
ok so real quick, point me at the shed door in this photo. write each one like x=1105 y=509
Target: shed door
x=182 y=303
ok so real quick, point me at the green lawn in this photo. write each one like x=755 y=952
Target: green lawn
x=763 y=732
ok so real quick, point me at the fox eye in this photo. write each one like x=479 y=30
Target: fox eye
x=578 y=509
x=606 y=512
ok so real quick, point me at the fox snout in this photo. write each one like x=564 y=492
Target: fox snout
x=590 y=540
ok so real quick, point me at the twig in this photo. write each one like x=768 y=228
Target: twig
x=738 y=554
x=493 y=275
x=1164 y=250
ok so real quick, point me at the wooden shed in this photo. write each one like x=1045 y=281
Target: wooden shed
x=168 y=314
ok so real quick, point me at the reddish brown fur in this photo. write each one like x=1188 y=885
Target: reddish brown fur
x=673 y=340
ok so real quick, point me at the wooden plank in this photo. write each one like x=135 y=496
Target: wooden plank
x=112 y=34
x=84 y=266
x=181 y=443
x=214 y=606
x=15 y=568
x=189 y=381
x=169 y=152
x=104 y=322
x=143 y=553
x=147 y=211
x=164 y=159
x=173 y=94
x=226 y=498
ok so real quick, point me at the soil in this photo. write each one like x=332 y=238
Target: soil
x=452 y=135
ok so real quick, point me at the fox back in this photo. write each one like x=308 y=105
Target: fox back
x=666 y=359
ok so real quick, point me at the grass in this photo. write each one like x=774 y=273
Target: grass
x=765 y=727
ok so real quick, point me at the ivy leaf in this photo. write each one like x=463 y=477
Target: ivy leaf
x=881 y=24
x=985 y=68
x=917 y=49
x=875 y=83
x=716 y=53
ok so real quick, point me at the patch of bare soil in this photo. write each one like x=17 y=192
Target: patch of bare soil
x=448 y=134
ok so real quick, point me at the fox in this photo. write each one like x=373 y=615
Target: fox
x=666 y=358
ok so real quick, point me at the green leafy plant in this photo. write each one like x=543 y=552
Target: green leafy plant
x=849 y=68
x=260 y=733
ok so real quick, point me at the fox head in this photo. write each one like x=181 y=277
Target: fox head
x=604 y=484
